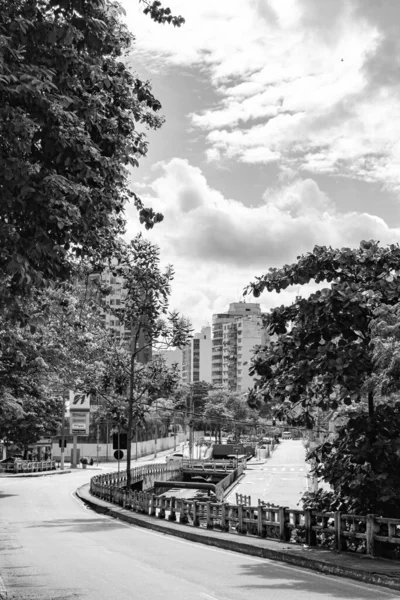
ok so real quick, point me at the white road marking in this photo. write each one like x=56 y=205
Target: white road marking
x=3 y=591
x=79 y=501
x=207 y=596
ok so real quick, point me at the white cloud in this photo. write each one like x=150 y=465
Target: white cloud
x=218 y=245
x=313 y=85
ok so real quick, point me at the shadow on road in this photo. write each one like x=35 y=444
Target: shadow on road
x=5 y=495
x=81 y=525
x=295 y=581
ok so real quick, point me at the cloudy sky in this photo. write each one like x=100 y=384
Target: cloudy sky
x=282 y=131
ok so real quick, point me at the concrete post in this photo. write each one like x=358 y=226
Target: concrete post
x=195 y=513
x=172 y=514
x=224 y=516
x=184 y=512
x=282 y=524
x=241 y=526
x=370 y=535
x=161 y=513
x=259 y=520
x=210 y=523
x=153 y=505
x=338 y=531
x=308 y=522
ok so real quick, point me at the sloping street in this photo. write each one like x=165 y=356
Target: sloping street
x=53 y=548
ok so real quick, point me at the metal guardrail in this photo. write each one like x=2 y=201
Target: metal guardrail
x=264 y=520
x=28 y=466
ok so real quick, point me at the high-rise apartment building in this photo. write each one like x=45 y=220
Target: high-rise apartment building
x=196 y=358
x=115 y=300
x=235 y=333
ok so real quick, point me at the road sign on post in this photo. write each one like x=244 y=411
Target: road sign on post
x=79 y=409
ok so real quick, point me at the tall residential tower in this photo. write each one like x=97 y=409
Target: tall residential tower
x=235 y=333
x=196 y=358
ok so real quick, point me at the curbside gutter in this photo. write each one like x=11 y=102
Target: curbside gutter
x=327 y=562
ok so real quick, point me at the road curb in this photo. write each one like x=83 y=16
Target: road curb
x=38 y=474
x=287 y=555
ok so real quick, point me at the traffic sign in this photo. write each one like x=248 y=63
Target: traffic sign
x=118 y=454
x=122 y=443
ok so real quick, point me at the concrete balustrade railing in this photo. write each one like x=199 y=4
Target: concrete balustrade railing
x=28 y=466
x=140 y=473
x=211 y=465
x=265 y=521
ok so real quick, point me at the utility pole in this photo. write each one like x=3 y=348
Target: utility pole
x=107 y=440
x=191 y=417
x=97 y=443
x=174 y=426
x=155 y=434
x=119 y=447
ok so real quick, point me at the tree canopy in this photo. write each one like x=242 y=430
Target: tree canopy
x=362 y=464
x=60 y=345
x=323 y=352
x=72 y=121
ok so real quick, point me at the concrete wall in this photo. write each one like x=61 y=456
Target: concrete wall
x=106 y=452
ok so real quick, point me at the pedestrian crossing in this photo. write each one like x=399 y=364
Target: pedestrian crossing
x=283 y=469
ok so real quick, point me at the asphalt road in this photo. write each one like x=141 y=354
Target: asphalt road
x=282 y=479
x=53 y=548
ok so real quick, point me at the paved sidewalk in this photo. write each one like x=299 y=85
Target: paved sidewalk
x=374 y=571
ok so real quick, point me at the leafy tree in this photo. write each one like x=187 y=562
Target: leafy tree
x=228 y=410
x=72 y=120
x=146 y=312
x=154 y=385
x=385 y=338
x=363 y=464
x=58 y=343
x=335 y=351
x=34 y=418
x=199 y=391
x=216 y=411
x=323 y=355
x=159 y=14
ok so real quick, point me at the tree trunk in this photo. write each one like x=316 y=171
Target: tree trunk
x=130 y=423
x=371 y=403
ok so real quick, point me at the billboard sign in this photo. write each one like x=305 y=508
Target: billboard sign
x=79 y=423
x=79 y=402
